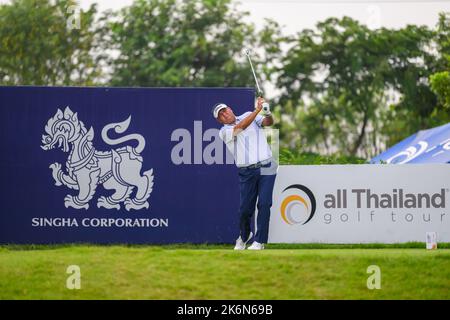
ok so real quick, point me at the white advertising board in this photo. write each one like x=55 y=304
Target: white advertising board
x=360 y=203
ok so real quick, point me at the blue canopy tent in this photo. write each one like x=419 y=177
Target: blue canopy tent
x=425 y=146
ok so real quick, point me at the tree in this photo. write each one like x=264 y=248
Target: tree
x=440 y=81
x=333 y=69
x=355 y=90
x=40 y=47
x=411 y=62
x=183 y=43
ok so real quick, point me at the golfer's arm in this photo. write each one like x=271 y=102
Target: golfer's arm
x=267 y=121
x=241 y=126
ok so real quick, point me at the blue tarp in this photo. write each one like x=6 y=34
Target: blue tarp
x=425 y=146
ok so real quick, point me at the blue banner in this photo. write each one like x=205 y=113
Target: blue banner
x=116 y=165
x=425 y=146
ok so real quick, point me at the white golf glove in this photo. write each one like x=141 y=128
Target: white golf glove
x=266 y=109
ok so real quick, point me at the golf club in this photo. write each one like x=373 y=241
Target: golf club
x=260 y=93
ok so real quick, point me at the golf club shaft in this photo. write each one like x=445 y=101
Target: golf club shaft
x=254 y=74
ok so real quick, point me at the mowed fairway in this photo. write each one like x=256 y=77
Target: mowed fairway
x=217 y=272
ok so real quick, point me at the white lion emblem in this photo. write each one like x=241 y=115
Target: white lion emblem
x=118 y=169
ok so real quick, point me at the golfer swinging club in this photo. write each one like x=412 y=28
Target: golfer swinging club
x=245 y=139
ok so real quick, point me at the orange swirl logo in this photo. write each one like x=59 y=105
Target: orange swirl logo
x=291 y=200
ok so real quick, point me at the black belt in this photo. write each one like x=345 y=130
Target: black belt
x=257 y=165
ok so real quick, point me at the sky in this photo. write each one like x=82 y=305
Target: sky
x=296 y=15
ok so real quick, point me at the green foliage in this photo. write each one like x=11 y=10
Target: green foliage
x=341 y=81
x=38 y=48
x=440 y=83
x=290 y=157
x=183 y=43
x=442 y=37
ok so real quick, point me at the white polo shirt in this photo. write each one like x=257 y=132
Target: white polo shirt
x=250 y=145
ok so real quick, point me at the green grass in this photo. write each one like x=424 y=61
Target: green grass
x=217 y=272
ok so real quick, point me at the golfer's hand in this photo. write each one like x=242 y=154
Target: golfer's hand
x=259 y=103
